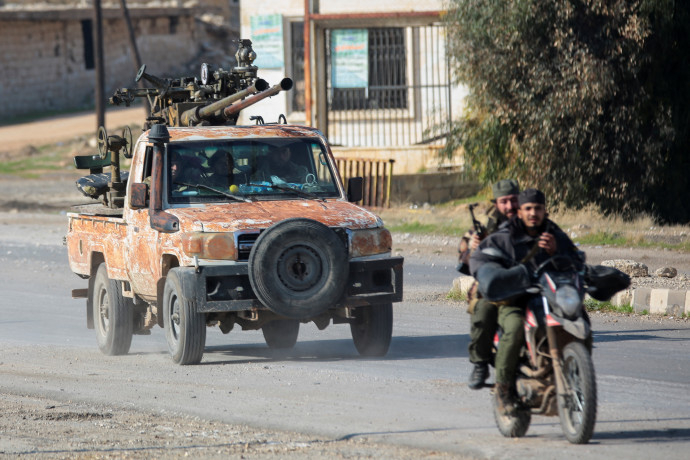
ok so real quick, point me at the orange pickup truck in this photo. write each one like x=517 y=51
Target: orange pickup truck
x=234 y=225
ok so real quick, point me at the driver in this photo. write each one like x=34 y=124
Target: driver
x=527 y=239
x=280 y=165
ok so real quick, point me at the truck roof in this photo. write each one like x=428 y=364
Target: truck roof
x=181 y=134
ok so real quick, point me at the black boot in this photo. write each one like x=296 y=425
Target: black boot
x=479 y=375
x=505 y=401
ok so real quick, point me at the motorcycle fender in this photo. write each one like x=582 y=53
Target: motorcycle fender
x=578 y=328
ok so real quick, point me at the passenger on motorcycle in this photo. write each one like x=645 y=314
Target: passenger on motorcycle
x=484 y=319
x=527 y=240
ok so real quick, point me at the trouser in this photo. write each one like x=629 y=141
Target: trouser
x=511 y=319
x=483 y=325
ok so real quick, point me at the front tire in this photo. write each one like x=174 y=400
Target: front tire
x=372 y=329
x=578 y=411
x=112 y=314
x=281 y=334
x=185 y=329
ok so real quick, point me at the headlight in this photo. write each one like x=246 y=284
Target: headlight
x=370 y=242
x=568 y=298
x=218 y=246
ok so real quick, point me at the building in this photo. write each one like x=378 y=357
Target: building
x=47 y=55
x=375 y=80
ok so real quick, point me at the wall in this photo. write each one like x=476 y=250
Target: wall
x=431 y=188
x=43 y=62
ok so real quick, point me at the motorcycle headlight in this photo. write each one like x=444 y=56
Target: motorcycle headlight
x=569 y=299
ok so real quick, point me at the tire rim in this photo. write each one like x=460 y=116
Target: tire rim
x=300 y=267
x=174 y=321
x=103 y=310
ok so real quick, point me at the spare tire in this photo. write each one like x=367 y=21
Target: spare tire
x=298 y=268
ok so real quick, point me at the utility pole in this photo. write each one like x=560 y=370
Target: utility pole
x=99 y=58
x=133 y=47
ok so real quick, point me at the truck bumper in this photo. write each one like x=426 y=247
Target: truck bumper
x=226 y=288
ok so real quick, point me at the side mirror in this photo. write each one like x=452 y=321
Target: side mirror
x=138 y=193
x=355 y=189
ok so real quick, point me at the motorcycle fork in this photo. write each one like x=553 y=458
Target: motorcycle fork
x=562 y=388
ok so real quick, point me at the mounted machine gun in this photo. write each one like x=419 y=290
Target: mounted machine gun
x=204 y=101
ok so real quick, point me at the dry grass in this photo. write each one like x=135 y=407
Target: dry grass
x=586 y=226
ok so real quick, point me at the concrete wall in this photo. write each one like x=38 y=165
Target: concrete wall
x=431 y=188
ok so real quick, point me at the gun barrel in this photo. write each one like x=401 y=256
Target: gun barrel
x=194 y=116
x=284 y=85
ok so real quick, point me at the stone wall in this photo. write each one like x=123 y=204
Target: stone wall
x=43 y=60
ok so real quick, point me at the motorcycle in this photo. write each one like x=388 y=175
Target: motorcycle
x=555 y=373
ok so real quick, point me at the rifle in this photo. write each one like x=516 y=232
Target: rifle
x=479 y=229
x=464 y=258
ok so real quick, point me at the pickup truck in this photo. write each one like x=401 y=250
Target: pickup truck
x=215 y=229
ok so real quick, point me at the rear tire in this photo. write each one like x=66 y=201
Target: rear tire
x=112 y=314
x=185 y=329
x=512 y=426
x=281 y=333
x=372 y=329
x=578 y=412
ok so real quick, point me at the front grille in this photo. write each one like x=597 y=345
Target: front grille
x=245 y=242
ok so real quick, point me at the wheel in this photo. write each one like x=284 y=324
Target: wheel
x=578 y=410
x=112 y=314
x=281 y=333
x=185 y=329
x=512 y=426
x=372 y=329
x=298 y=267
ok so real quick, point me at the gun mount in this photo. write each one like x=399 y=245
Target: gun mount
x=208 y=100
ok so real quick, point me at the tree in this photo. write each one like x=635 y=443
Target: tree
x=565 y=95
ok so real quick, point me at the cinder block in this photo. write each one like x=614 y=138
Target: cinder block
x=622 y=298
x=463 y=283
x=658 y=301
x=687 y=303
x=640 y=299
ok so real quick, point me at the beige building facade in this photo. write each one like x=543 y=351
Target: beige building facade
x=373 y=76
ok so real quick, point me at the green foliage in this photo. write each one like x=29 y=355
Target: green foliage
x=569 y=96
x=456 y=295
x=598 y=306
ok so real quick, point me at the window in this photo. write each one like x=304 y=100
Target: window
x=89 y=52
x=297 y=62
x=387 y=87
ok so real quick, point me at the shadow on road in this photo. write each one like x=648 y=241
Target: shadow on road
x=642 y=334
x=402 y=348
x=646 y=435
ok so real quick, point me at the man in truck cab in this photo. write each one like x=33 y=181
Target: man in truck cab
x=279 y=164
x=183 y=172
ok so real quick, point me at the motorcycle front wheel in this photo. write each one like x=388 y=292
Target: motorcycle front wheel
x=578 y=410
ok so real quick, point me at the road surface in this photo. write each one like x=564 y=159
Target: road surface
x=414 y=402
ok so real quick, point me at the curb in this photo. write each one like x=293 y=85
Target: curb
x=655 y=301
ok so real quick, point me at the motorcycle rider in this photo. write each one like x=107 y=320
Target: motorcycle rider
x=484 y=314
x=527 y=240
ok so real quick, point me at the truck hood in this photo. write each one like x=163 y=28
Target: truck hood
x=230 y=217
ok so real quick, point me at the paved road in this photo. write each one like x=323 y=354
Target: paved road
x=416 y=396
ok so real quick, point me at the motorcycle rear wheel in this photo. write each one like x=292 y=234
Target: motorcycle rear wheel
x=512 y=426
x=578 y=411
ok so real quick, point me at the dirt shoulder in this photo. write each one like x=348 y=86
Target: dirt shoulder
x=40 y=428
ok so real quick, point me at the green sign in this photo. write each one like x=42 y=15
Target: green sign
x=267 y=41
x=350 y=58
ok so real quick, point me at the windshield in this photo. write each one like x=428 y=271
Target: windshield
x=231 y=170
